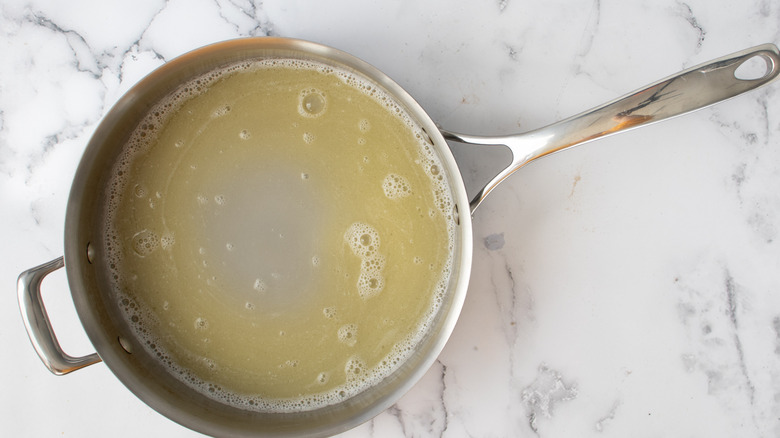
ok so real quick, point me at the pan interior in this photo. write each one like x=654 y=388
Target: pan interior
x=279 y=234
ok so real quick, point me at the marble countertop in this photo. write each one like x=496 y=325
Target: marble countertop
x=630 y=287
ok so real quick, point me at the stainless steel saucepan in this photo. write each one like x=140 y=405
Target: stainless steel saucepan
x=117 y=346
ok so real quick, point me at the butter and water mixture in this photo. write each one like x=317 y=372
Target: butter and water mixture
x=279 y=234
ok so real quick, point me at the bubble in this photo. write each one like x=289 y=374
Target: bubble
x=396 y=187
x=358 y=233
x=244 y=134
x=322 y=378
x=312 y=103
x=370 y=284
x=329 y=312
x=375 y=263
x=249 y=306
x=201 y=323
x=259 y=285
x=209 y=363
x=364 y=125
x=315 y=261
x=361 y=141
x=304 y=176
x=179 y=143
x=220 y=199
x=221 y=111
x=364 y=242
x=167 y=241
x=354 y=369
x=230 y=246
x=308 y=138
x=139 y=191
x=145 y=242
x=347 y=334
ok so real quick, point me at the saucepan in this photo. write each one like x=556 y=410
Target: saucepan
x=141 y=372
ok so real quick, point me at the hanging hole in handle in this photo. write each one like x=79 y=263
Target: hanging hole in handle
x=753 y=68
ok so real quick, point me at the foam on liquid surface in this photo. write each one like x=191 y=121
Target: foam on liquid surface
x=279 y=234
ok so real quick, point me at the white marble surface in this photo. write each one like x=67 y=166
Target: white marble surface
x=630 y=287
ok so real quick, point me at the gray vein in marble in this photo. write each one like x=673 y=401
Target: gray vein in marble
x=762 y=99
x=398 y=414
x=731 y=299
x=76 y=42
x=603 y=421
x=35 y=212
x=542 y=395
x=590 y=31
x=446 y=416
x=587 y=37
x=513 y=53
x=85 y=60
x=687 y=13
x=748 y=138
x=754 y=140
x=133 y=51
x=79 y=45
x=776 y=327
x=718 y=347
x=506 y=299
x=738 y=177
x=263 y=26
x=136 y=45
x=96 y=64
x=412 y=422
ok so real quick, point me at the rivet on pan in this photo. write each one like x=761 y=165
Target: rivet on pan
x=427 y=137
x=125 y=344
x=455 y=214
x=90 y=253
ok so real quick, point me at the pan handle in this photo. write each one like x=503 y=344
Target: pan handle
x=37 y=323
x=692 y=89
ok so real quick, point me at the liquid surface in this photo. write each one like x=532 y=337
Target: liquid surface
x=279 y=235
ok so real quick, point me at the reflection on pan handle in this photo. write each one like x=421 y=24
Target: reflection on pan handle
x=692 y=89
x=37 y=323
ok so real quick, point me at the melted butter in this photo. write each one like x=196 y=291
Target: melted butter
x=278 y=236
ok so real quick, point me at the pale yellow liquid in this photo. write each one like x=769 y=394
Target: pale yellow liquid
x=280 y=237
